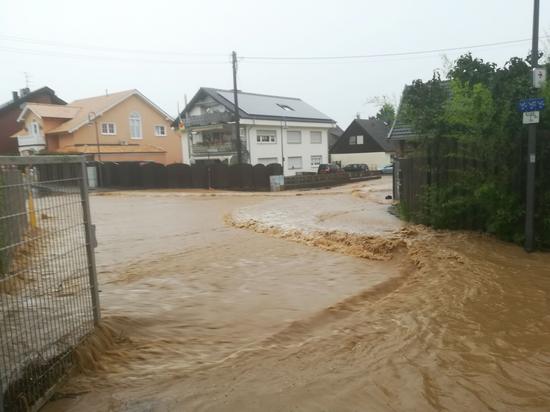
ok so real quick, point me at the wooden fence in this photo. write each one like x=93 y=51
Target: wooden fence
x=157 y=176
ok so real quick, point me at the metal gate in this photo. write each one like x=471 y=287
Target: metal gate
x=48 y=285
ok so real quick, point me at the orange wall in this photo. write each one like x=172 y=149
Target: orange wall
x=120 y=116
x=135 y=157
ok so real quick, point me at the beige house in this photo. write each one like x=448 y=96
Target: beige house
x=123 y=126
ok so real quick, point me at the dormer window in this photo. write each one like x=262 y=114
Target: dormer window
x=285 y=107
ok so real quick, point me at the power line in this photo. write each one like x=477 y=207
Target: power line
x=397 y=54
x=54 y=53
x=105 y=49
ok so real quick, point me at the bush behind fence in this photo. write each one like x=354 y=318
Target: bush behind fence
x=450 y=183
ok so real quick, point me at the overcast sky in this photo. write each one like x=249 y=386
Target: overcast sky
x=80 y=48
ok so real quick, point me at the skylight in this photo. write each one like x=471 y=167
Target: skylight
x=285 y=107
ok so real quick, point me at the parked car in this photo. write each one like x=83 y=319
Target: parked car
x=356 y=167
x=387 y=170
x=328 y=168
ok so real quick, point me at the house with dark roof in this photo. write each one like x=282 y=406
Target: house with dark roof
x=273 y=129
x=10 y=111
x=117 y=127
x=364 y=141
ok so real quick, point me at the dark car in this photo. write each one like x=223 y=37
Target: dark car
x=356 y=167
x=387 y=170
x=328 y=168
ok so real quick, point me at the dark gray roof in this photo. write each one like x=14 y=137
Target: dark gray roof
x=375 y=132
x=29 y=96
x=401 y=131
x=334 y=134
x=262 y=106
x=378 y=130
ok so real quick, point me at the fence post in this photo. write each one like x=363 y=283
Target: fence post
x=1 y=396
x=90 y=243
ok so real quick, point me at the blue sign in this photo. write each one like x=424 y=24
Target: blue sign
x=531 y=105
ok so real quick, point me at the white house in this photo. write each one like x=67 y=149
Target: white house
x=274 y=129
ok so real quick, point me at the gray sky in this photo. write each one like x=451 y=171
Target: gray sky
x=187 y=44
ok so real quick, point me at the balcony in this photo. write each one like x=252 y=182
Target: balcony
x=208 y=119
x=202 y=149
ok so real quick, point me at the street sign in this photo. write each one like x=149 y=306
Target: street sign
x=531 y=105
x=531 y=117
x=539 y=77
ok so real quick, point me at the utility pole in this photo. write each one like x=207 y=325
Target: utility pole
x=532 y=146
x=92 y=117
x=236 y=104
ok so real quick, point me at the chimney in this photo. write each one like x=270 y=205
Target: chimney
x=14 y=95
x=24 y=92
x=358 y=115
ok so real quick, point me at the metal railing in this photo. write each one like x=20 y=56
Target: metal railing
x=48 y=284
x=208 y=119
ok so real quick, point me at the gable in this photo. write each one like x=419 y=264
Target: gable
x=371 y=143
x=102 y=104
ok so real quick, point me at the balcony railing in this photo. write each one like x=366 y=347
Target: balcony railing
x=214 y=149
x=225 y=148
x=208 y=119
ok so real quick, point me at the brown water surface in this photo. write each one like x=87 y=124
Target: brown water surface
x=204 y=316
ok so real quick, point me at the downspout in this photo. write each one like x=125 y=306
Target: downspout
x=282 y=147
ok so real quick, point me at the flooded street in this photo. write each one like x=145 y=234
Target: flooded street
x=318 y=300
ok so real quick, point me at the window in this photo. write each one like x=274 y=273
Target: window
x=35 y=129
x=266 y=136
x=160 y=130
x=360 y=139
x=294 y=137
x=353 y=140
x=108 y=128
x=267 y=160
x=135 y=126
x=295 y=162
x=316 y=137
x=285 y=107
x=316 y=160
x=242 y=132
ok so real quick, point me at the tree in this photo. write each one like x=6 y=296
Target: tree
x=386 y=113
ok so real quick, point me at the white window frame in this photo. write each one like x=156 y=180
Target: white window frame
x=360 y=139
x=267 y=160
x=316 y=164
x=352 y=140
x=135 y=116
x=163 y=128
x=294 y=167
x=318 y=135
x=266 y=137
x=108 y=133
x=35 y=128
x=294 y=131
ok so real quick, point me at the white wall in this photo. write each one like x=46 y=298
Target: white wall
x=32 y=141
x=375 y=161
x=281 y=148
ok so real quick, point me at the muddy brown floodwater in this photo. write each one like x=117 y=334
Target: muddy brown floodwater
x=287 y=304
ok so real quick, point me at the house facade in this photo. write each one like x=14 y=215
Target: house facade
x=118 y=127
x=273 y=129
x=364 y=141
x=10 y=111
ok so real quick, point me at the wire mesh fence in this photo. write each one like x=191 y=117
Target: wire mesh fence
x=48 y=286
